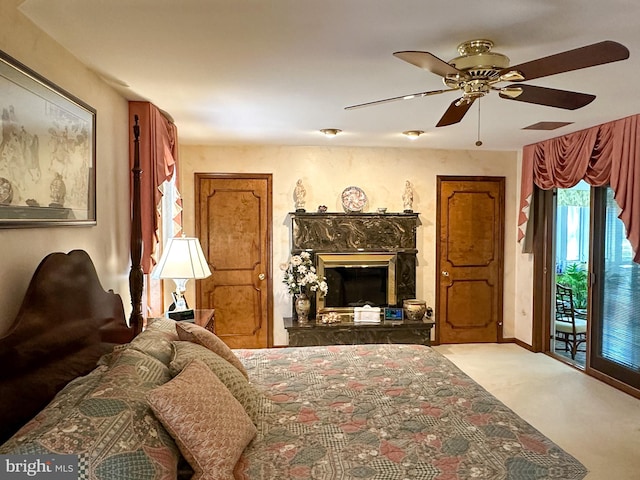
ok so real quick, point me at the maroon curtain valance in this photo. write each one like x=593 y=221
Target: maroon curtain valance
x=158 y=161
x=608 y=154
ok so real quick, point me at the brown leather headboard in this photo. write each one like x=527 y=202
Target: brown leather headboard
x=66 y=322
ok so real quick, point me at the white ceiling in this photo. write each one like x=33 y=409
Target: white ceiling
x=276 y=71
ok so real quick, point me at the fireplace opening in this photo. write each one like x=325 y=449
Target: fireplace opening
x=356 y=280
x=356 y=286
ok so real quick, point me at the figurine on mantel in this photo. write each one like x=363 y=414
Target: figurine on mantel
x=407 y=197
x=300 y=193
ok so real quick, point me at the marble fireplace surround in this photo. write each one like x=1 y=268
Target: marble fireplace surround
x=321 y=233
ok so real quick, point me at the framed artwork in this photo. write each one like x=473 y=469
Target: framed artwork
x=47 y=152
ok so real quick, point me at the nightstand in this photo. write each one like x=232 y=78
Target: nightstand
x=205 y=318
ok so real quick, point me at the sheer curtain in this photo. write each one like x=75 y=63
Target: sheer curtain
x=608 y=154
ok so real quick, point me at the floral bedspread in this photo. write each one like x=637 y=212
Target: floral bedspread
x=387 y=412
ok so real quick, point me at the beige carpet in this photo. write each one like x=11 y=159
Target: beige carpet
x=592 y=421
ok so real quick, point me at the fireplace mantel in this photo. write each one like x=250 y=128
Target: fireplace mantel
x=319 y=233
x=348 y=232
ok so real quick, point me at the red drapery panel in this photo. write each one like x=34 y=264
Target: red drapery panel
x=606 y=154
x=158 y=159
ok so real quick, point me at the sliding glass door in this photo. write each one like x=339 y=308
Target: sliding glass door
x=615 y=314
x=607 y=284
x=570 y=285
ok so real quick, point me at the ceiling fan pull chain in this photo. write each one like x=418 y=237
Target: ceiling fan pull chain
x=478 y=142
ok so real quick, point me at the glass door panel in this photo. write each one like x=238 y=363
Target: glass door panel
x=570 y=301
x=616 y=297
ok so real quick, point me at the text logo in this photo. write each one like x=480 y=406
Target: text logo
x=49 y=467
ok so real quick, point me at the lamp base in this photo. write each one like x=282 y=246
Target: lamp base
x=181 y=315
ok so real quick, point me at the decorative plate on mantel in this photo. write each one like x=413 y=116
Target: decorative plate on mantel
x=353 y=199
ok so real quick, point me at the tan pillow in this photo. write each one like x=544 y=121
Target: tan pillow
x=248 y=395
x=209 y=425
x=191 y=332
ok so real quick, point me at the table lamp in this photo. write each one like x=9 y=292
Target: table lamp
x=182 y=259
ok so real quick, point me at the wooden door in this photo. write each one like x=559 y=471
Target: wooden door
x=233 y=223
x=470 y=252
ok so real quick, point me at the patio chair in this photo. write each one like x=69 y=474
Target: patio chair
x=570 y=325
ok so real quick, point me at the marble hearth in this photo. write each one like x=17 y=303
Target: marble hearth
x=376 y=253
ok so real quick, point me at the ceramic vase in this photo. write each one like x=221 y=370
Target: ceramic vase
x=414 y=309
x=303 y=306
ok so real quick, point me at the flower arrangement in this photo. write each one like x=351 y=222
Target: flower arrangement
x=300 y=276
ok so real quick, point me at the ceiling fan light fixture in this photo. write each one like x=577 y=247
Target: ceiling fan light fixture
x=476 y=58
x=330 y=132
x=512 y=76
x=510 y=92
x=412 y=134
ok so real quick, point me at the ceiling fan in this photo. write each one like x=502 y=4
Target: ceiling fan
x=478 y=69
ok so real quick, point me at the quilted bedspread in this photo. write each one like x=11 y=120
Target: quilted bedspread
x=387 y=412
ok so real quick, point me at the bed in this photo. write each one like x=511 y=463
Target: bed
x=173 y=401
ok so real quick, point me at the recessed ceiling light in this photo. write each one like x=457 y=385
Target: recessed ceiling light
x=330 y=132
x=413 y=134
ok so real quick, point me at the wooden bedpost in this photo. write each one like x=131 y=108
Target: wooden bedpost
x=136 y=275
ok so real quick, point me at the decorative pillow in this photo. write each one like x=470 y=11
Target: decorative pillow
x=133 y=367
x=248 y=395
x=163 y=324
x=209 y=425
x=112 y=428
x=65 y=401
x=154 y=341
x=197 y=334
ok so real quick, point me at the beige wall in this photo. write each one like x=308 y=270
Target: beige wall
x=381 y=173
x=324 y=171
x=108 y=242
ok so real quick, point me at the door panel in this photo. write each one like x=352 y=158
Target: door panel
x=234 y=227
x=470 y=247
x=615 y=327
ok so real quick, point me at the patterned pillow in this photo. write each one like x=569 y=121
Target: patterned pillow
x=248 y=395
x=154 y=341
x=163 y=324
x=197 y=334
x=112 y=428
x=64 y=402
x=209 y=425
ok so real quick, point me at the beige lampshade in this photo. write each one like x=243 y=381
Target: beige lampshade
x=182 y=258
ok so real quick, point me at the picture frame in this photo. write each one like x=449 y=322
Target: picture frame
x=47 y=152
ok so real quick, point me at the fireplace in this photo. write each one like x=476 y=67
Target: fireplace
x=356 y=280
x=367 y=258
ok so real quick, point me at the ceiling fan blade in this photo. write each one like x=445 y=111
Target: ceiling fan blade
x=583 y=57
x=455 y=112
x=429 y=62
x=403 y=97
x=546 y=96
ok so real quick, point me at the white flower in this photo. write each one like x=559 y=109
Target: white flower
x=301 y=276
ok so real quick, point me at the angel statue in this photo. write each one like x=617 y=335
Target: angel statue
x=407 y=197
x=300 y=193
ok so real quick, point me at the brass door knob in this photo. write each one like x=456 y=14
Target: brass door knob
x=262 y=276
